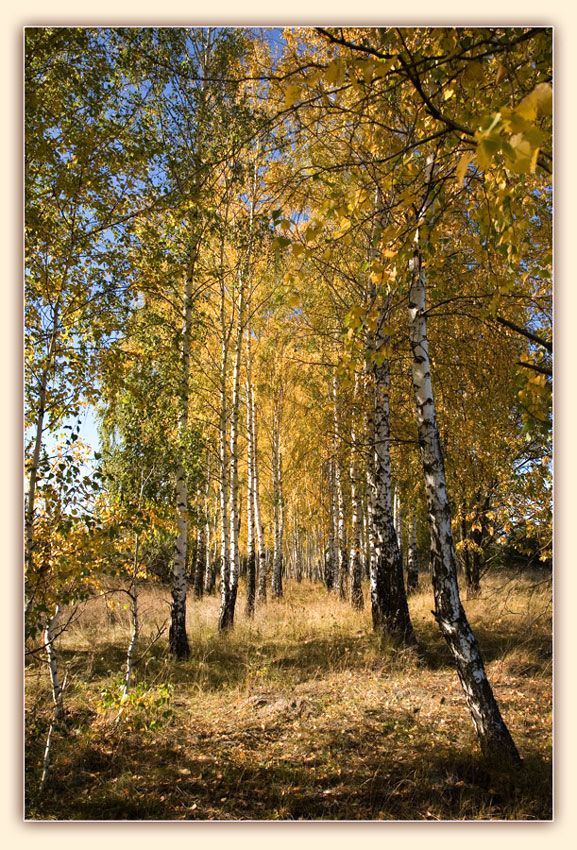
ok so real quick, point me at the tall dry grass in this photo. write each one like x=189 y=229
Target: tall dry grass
x=302 y=712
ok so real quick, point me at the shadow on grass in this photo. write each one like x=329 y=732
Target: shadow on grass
x=346 y=774
x=495 y=643
x=219 y=661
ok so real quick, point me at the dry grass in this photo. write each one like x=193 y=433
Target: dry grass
x=301 y=713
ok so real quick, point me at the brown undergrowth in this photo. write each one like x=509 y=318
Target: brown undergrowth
x=302 y=713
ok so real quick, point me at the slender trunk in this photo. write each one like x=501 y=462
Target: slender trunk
x=390 y=609
x=208 y=581
x=495 y=739
x=399 y=523
x=375 y=582
x=413 y=559
x=357 y=600
x=342 y=554
x=473 y=574
x=57 y=689
x=298 y=560
x=133 y=594
x=331 y=560
x=257 y=514
x=33 y=475
x=199 y=561
x=277 y=564
x=227 y=611
x=224 y=613
x=211 y=555
x=177 y=634
x=57 y=692
x=224 y=525
x=250 y=497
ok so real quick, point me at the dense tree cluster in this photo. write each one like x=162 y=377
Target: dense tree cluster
x=306 y=284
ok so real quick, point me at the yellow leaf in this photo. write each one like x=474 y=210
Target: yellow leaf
x=461 y=169
x=485 y=152
x=334 y=72
x=388 y=253
x=383 y=66
x=539 y=102
x=293 y=93
x=544 y=94
x=448 y=94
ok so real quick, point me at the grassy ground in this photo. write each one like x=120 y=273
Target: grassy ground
x=301 y=713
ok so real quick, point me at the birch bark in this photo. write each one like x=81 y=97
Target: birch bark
x=357 y=600
x=278 y=517
x=390 y=608
x=223 y=473
x=257 y=514
x=227 y=610
x=250 y=496
x=412 y=558
x=331 y=558
x=494 y=737
x=342 y=554
x=178 y=640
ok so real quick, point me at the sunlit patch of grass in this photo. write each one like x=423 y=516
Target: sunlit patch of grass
x=301 y=713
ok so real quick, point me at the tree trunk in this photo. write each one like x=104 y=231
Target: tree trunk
x=342 y=553
x=250 y=496
x=57 y=692
x=357 y=600
x=496 y=742
x=177 y=634
x=277 y=566
x=331 y=557
x=413 y=559
x=399 y=523
x=230 y=588
x=199 y=562
x=257 y=514
x=224 y=612
x=57 y=689
x=33 y=475
x=389 y=600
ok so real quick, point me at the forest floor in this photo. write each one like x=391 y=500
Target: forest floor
x=301 y=713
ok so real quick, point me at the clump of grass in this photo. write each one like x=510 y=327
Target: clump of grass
x=301 y=713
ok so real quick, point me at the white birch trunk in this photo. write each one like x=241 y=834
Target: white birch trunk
x=399 y=523
x=257 y=514
x=250 y=495
x=177 y=635
x=331 y=565
x=37 y=451
x=226 y=619
x=278 y=517
x=357 y=600
x=389 y=608
x=495 y=739
x=57 y=691
x=133 y=593
x=412 y=557
x=223 y=463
